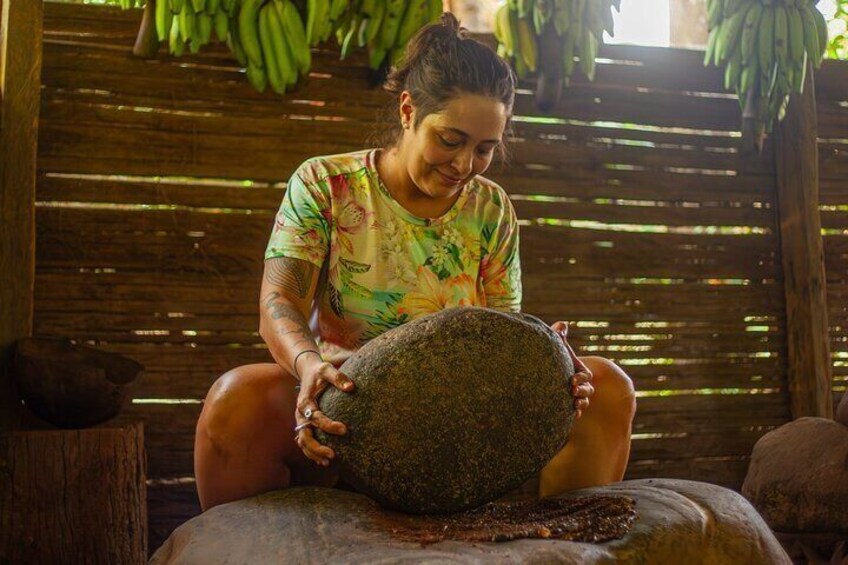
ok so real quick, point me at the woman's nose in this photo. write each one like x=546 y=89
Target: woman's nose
x=463 y=163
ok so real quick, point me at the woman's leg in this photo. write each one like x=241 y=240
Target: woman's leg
x=244 y=443
x=599 y=446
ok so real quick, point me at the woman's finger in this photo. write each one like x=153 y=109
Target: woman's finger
x=580 y=404
x=581 y=377
x=337 y=379
x=585 y=391
x=299 y=439
x=312 y=446
x=308 y=411
x=312 y=387
x=311 y=390
x=581 y=384
x=315 y=451
x=324 y=423
x=579 y=366
x=305 y=403
x=562 y=329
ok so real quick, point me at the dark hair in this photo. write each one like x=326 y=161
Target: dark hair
x=440 y=63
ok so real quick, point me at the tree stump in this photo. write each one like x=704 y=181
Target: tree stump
x=76 y=496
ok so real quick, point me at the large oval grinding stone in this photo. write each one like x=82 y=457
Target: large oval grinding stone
x=452 y=410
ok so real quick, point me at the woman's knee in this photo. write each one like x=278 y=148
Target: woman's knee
x=246 y=399
x=613 y=387
x=239 y=450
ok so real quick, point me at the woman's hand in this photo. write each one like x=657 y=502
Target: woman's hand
x=581 y=382
x=316 y=378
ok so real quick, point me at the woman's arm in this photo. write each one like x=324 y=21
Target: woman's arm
x=288 y=288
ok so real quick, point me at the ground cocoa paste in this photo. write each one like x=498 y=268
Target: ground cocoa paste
x=586 y=519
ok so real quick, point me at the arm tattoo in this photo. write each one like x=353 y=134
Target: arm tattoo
x=292 y=275
x=279 y=309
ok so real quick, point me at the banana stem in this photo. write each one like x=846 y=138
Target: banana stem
x=549 y=82
x=146 y=42
x=753 y=129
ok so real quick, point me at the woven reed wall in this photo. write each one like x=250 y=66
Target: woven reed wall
x=158 y=181
x=832 y=109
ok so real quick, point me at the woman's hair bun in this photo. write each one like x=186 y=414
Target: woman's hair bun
x=449 y=21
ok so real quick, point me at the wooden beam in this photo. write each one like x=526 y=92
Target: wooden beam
x=807 y=332
x=20 y=99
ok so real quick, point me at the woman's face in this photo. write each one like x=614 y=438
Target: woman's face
x=450 y=147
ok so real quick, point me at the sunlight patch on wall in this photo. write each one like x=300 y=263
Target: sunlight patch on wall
x=644 y=23
x=166 y=401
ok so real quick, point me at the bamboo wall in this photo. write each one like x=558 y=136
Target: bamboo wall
x=832 y=109
x=158 y=181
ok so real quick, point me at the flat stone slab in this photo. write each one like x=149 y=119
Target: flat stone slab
x=677 y=522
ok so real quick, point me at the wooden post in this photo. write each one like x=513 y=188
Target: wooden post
x=807 y=332
x=20 y=100
x=73 y=496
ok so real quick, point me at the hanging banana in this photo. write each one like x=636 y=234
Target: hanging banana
x=766 y=56
x=577 y=32
x=392 y=23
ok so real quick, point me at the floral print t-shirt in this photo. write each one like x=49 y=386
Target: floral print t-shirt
x=381 y=266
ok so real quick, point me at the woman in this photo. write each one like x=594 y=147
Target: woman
x=366 y=241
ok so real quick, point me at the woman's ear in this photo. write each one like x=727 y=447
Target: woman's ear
x=407 y=110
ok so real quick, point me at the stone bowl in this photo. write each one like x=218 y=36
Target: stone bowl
x=70 y=385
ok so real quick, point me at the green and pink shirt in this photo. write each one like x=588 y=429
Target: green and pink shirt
x=382 y=266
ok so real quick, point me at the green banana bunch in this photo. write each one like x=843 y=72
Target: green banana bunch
x=295 y=34
x=275 y=46
x=276 y=64
x=195 y=21
x=417 y=15
x=270 y=39
x=579 y=25
x=504 y=32
x=248 y=28
x=527 y=49
x=392 y=23
x=383 y=26
x=318 y=12
x=129 y=4
x=324 y=16
x=267 y=37
x=765 y=46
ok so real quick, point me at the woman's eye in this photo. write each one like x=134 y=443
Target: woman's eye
x=447 y=143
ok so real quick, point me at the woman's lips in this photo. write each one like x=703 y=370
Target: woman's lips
x=449 y=180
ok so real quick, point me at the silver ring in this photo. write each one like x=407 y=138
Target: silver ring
x=308 y=413
x=302 y=426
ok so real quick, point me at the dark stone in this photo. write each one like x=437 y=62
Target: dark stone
x=72 y=385
x=841 y=414
x=798 y=477
x=452 y=410
x=677 y=522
